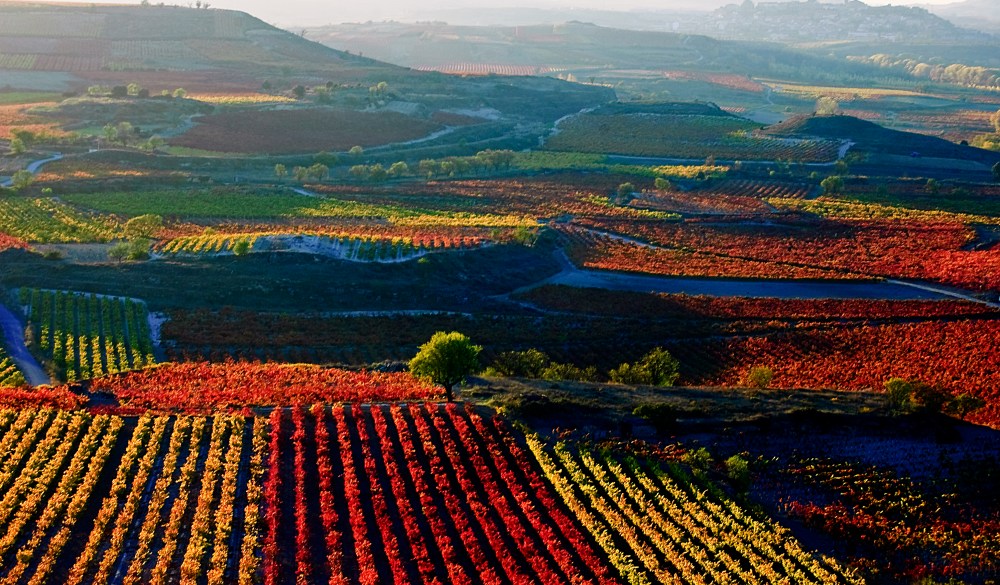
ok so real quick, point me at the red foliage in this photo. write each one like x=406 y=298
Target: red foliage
x=204 y=387
x=42 y=396
x=877 y=248
x=8 y=242
x=955 y=354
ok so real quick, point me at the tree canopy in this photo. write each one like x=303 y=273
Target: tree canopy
x=446 y=360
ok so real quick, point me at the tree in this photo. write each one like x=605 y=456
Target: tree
x=280 y=171
x=299 y=91
x=898 y=391
x=932 y=187
x=356 y=151
x=180 y=93
x=142 y=226
x=996 y=172
x=119 y=91
x=663 y=184
x=446 y=360
x=428 y=168
x=832 y=185
x=398 y=169
x=319 y=171
x=625 y=191
x=738 y=471
x=529 y=363
x=759 y=377
x=326 y=158
x=964 y=404
x=656 y=368
x=155 y=141
x=17 y=146
x=21 y=180
x=826 y=106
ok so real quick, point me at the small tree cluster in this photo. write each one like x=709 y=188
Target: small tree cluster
x=656 y=368
x=316 y=172
x=532 y=363
x=905 y=396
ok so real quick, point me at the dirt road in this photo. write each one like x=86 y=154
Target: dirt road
x=13 y=338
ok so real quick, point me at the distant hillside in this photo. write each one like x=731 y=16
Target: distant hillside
x=870 y=137
x=813 y=21
x=97 y=43
x=572 y=46
x=70 y=47
x=981 y=15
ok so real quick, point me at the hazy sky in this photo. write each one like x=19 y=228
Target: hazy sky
x=319 y=12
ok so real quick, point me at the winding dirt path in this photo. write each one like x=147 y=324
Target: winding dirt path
x=13 y=336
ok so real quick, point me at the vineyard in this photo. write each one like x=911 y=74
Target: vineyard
x=926 y=250
x=429 y=494
x=488 y=69
x=10 y=376
x=301 y=131
x=944 y=352
x=891 y=514
x=89 y=336
x=589 y=249
x=351 y=247
x=682 y=136
x=50 y=221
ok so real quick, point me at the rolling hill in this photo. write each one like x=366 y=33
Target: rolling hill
x=69 y=48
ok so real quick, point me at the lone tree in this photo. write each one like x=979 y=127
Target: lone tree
x=142 y=226
x=446 y=360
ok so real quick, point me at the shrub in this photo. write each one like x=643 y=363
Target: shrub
x=738 y=471
x=661 y=415
x=759 y=377
x=656 y=368
x=556 y=371
x=530 y=363
x=897 y=392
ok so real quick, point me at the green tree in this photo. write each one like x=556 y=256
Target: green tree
x=656 y=368
x=964 y=404
x=428 y=168
x=898 y=392
x=759 y=377
x=142 y=226
x=826 y=106
x=932 y=187
x=17 y=146
x=241 y=247
x=356 y=151
x=832 y=185
x=399 y=169
x=557 y=371
x=299 y=91
x=529 y=363
x=738 y=471
x=663 y=184
x=280 y=171
x=319 y=171
x=326 y=158
x=625 y=191
x=21 y=180
x=180 y=93
x=446 y=360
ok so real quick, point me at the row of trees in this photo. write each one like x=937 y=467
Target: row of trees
x=483 y=161
x=448 y=358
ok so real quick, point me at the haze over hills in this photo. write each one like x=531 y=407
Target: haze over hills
x=70 y=47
